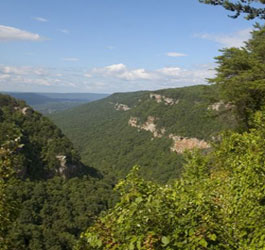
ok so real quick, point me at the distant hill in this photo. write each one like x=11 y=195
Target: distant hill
x=48 y=103
x=149 y=128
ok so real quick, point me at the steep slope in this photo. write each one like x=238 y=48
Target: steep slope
x=45 y=151
x=152 y=129
x=55 y=196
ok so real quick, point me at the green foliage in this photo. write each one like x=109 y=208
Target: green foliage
x=8 y=204
x=240 y=75
x=108 y=143
x=242 y=6
x=53 y=213
x=44 y=203
x=217 y=204
x=43 y=142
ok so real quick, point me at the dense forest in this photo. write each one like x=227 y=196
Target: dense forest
x=168 y=169
x=218 y=203
x=105 y=139
x=50 y=195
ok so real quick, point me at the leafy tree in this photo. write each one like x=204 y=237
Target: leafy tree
x=242 y=6
x=8 y=206
x=218 y=204
x=241 y=75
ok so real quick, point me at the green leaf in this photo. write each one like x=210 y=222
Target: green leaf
x=212 y=237
x=165 y=241
x=203 y=243
x=138 y=200
x=131 y=246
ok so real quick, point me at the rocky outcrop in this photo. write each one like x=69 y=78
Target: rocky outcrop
x=180 y=144
x=166 y=100
x=66 y=169
x=121 y=107
x=149 y=125
x=25 y=110
x=217 y=106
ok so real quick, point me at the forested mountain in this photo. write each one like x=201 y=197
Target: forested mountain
x=172 y=169
x=46 y=152
x=44 y=186
x=218 y=203
x=149 y=128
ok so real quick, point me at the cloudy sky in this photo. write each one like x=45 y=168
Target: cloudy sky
x=107 y=46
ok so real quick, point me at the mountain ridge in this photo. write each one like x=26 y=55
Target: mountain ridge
x=102 y=131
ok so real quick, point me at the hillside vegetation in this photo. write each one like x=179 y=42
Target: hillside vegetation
x=144 y=128
x=219 y=201
x=47 y=195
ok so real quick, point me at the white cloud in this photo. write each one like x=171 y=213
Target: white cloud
x=175 y=54
x=137 y=74
x=65 y=31
x=40 y=19
x=23 y=70
x=115 y=68
x=170 y=71
x=70 y=59
x=26 y=78
x=4 y=76
x=236 y=39
x=111 y=78
x=122 y=72
x=87 y=75
x=8 y=33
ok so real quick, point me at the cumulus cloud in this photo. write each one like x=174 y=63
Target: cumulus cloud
x=40 y=19
x=155 y=79
x=8 y=33
x=26 y=77
x=175 y=54
x=111 y=78
x=115 y=68
x=170 y=71
x=122 y=72
x=236 y=39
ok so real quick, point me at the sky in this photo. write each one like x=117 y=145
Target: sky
x=106 y=46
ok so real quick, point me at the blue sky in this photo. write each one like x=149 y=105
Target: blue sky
x=107 y=46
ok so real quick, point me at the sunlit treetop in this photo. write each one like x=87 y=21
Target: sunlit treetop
x=251 y=8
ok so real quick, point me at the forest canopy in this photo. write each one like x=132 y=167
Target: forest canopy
x=219 y=202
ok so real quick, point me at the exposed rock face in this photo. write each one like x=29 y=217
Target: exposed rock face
x=180 y=144
x=219 y=105
x=120 y=106
x=65 y=170
x=149 y=125
x=166 y=100
x=25 y=110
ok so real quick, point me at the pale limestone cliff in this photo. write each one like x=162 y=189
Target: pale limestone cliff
x=121 y=107
x=180 y=144
x=149 y=125
x=166 y=100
